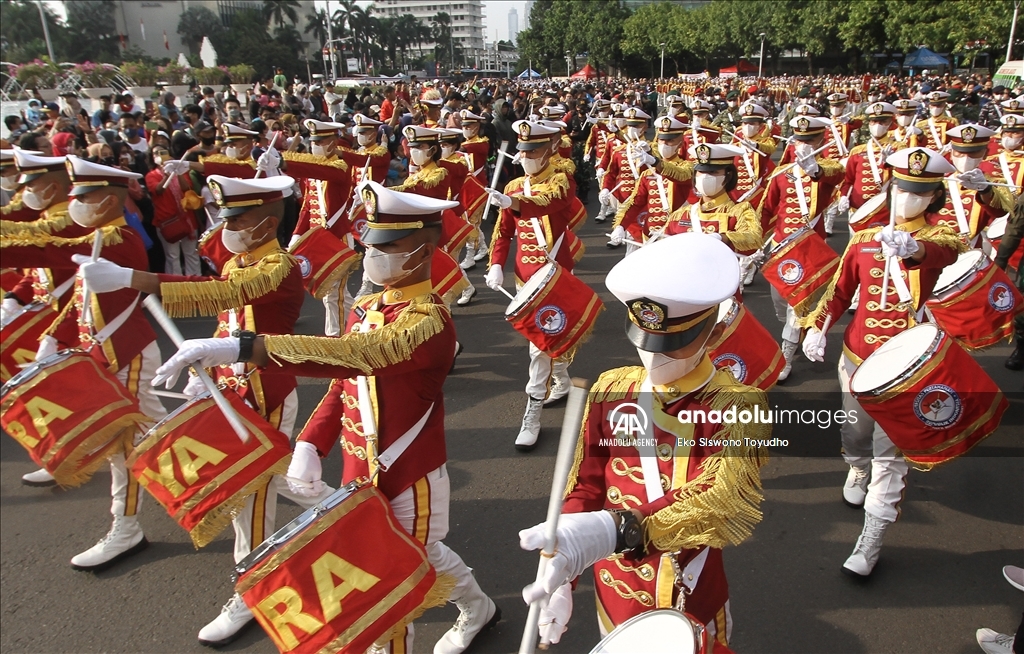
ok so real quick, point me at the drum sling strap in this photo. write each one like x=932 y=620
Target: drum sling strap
x=935 y=132
x=876 y=174
x=958 y=205
x=63 y=288
x=1005 y=166
x=838 y=138
x=746 y=162
x=801 y=197
x=539 y=232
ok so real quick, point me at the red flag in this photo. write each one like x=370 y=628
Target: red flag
x=167 y=44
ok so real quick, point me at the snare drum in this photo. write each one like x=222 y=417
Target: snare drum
x=19 y=337
x=341 y=576
x=575 y=245
x=212 y=250
x=447 y=277
x=70 y=413
x=661 y=631
x=197 y=468
x=746 y=348
x=554 y=310
x=974 y=301
x=873 y=213
x=800 y=267
x=929 y=395
x=324 y=260
x=455 y=232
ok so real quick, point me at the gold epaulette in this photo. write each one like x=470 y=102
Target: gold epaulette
x=677 y=171
x=375 y=151
x=829 y=167
x=225 y=160
x=555 y=186
x=111 y=236
x=720 y=506
x=514 y=186
x=391 y=344
x=241 y=286
x=1002 y=199
x=316 y=159
x=53 y=222
x=857 y=149
x=15 y=204
x=942 y=236
x=476 y=139
x=563 y=165
x=427 y=178
x=747 y=234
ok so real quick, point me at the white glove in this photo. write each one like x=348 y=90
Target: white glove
x=757 y=258
x=843 y=205
x=586 y=158
x=102 y=276
x=642 y=158
x=814 y=345
x=605 y=196
x=269 y=163
x=194 y=387
x=495 y=277
x=809 y=165
x=499 y=199
x=516 y=159
x=554 y=617
x=612 y=127
x=47 y=347
x=974 y=180
x=305 y=470
x=946 y=149
x=175 y=167
x=203 y=352
x=887 y=151
x=897 y=243
x=582 y=540
x=293 y=239
x=8 y=308
x=618 y=236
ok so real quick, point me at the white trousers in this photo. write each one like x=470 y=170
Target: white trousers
x=865 y=444
x=125 y=491
x=543 y=371
x=335 y=310
x=173 y=253
x=786 y=315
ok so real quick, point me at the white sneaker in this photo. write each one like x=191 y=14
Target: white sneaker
x=227 y=626
x=124 y=539
x=530 y=431
x=1014 y=575
x=469 y=261
x=869 y=545
x=993 y=642
x=475 y=615
x=467 y=296
x=855 y=490
x=559 y=390
x=788 y=351
x=39 y=478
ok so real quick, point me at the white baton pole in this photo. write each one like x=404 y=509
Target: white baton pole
x=494 y=179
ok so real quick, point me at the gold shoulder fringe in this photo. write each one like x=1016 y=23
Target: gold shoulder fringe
x=747 y=235
x=830 y=291
x=564 y=165
x=514 y=186
x=208 y=298
x=542 y=194
x=455 y=291
x=111 y=236
x=49 y=225
x=440 y=592
x=942 y=236
x=829 y=167
x=305 y=157
x=389 y=345
x=857 y=149
x=15 y=204
x=428 y=178
x=721 y=505
x=678 y=172
x=221 y=159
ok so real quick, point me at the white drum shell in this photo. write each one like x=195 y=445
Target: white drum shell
x=662 y=631
x=896 y=360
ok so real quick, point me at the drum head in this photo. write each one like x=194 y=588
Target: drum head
x=33 y=369
x=868 y=208
x=898 y=356
x=964 y=266
x=530 y=288
x=662 y=631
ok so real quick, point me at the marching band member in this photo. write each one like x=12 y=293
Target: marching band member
x=797 y=195
x=934 y=128
x=1008 y=164
x=555 y=113
x=366 y=132
x=906 y=132
x=234 y=159
x=535 y=212
x=1013 y=106
x=478 y=147
x=618 y=182
x=971 y=202
x=116 y=333
x=916 y=251
x=866 y=172
x=754 y=167
x=701 y=129
x=462 y=175
x=387 y=372
x=597 y=139
x=614 y=141
x=653 y=519
x=843 y=127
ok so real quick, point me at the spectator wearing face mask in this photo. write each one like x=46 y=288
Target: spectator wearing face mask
x=174 y=219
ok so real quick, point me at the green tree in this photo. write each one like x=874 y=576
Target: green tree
x=21 y=32
x=197 y=22
x=93 y=30
x=316 y=25
x=444 y=46
x=280 y=11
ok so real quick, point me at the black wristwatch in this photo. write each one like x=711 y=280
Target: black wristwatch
x=245 y=342
x=630 y=537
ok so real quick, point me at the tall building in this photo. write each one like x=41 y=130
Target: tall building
x=513 y=25
x=467 y=18
x=526 y=14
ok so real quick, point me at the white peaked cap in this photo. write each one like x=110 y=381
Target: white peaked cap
x=235 y=196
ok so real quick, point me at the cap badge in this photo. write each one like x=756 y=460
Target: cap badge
x=410 y=132
x=917 y=162
x=749 y=110
x=877 y=108
x=666 y=123
x=803 y=124
x=649 y=314
x=703 y=153
x=632 y=112
x=1014 y=104
x=370 y=204
x=967 y=134
x=524 y=131
x=216 y=191
x=1011 y=121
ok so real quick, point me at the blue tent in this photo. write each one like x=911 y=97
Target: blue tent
x=529 y=73
x=924 y=58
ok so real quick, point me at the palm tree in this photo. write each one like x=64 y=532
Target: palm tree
x=276 y=11
x=409 y=32
x=316 y=25
x=441 y=32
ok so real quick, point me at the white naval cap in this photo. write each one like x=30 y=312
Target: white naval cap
x=672 y=288
x=320 y=130
x=713 y=156
x=969 y=137
x=937 y=97
x=557 y=124
x=391 y=215
x=808 y=127
x=751 y=111
x=235 y=133
x=1013 y=105
x=807 y=110
x=468 y=116
x=87 y=176
x=669 y=128
x=32 y=164
x=235 y=196
x=448 y=135
x=365 y=121
x=880 y=110
x=636 y=115
x=553 y=111
x=906 y=106
x=674 y=101
x=7 y=156
x=1012 y=122
x=433 y=102
x=918 y=170
x=416 y=134
x=837 y=98
x=701 y=105
x=533 y=135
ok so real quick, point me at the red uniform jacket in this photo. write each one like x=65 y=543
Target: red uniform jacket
x=859 y=181
x=941 y=124
x=379 y=157
x=37 y=284
x=993 y=168
x=326 y=185
x=737 y=222
x=218 y=164
x=643 y=210
x=478 y=147
x=780 y=210
x=619 y=178
x=977 y=213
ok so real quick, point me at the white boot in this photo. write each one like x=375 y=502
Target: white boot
x=788 y=351
x=476 y=613
x=124 y=539
x=748 y=272
x=227 y=626
x=602 y=213
x=482 y=251
x=530 y=431
x=993 y=642
x=559 y=389
x=855 y=490
x=467 y=295
x=869 y=545
x=469 y=261
x=38 y=478
x=830 y=220
x=366 y=288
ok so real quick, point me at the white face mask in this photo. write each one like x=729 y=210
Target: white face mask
x=937 y=111
x=672 y=111
x=420 y=156
x=619 y=122
x=231 y=152
x=38 y=201
x=385 y=268
x=872 y=98
x=905 y=120
x=910 y=205
x=667 y=151
x=239 y=241
x=708 y=186
x=447 y=151
x=533 y=166
x=751 y=130
x=731 y=103
x=9 y=183
x=963 y=164
x=86 y=215
x=1011 y=141
x=878 y=130
x=663 y=369
x=365 y=138
x=318 y=150
x=634 y=132
x=468 y=133
x=836 y=110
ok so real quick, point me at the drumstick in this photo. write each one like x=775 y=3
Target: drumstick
x=627 y=239
x=170 y=177
x=507 y=294
x=170 y=394
x=494 y=178
x=960 y=179
x=97 y=245
x=571 y=423
x=743 y=141
x=152 y=302
x=885 y=273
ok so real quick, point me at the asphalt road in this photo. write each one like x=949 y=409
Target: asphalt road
x=938 y=579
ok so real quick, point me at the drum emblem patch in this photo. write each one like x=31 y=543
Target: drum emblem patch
x=735 y=365
x=550 y=320
x=1000 y=297
x=790 y=271
x=305 y=267
x=938 y=406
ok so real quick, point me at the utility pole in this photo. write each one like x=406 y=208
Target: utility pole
x=662 y=76
x=760 y=59
x=568 y=72
x=330 y=42
x=49 y=44
x=1009 y=44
